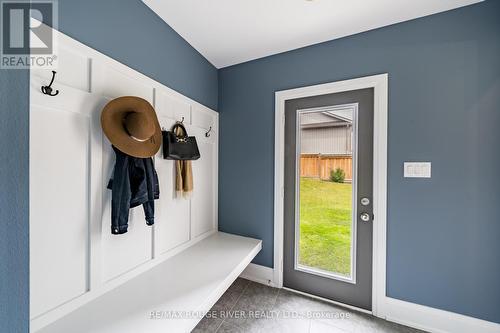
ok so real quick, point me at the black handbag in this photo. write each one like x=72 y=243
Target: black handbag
x=179 y=147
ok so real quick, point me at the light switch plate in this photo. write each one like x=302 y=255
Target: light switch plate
x=417 y=169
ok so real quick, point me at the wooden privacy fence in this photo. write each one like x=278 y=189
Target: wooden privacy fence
x=320 y=166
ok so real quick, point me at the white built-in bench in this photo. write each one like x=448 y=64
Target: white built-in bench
x=83 y=278
x=190 y=281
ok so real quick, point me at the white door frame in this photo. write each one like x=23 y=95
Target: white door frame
x=380 y=85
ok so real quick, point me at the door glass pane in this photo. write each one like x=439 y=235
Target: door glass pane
x=325 y=229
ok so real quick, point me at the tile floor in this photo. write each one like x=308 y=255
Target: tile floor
x=251 y=307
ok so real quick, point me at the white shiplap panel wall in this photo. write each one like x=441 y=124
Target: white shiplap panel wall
x=60 y=200
x=173 y=215
x=74 y=257
x=203 y=197
x=120 y=253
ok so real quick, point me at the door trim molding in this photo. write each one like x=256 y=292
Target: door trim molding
x=380 y=85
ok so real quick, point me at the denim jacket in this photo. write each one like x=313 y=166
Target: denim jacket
x=134 y=182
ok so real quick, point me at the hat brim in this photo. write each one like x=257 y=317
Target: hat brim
x=112 y=125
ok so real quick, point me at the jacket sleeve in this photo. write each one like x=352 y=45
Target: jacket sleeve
x=149 y=212
x=121 y=194
x=153 y=190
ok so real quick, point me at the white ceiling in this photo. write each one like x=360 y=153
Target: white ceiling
x=229 y=32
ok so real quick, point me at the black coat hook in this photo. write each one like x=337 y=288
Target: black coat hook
x=207 y=133
x=47 y=90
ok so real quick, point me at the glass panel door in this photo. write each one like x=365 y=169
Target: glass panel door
x=327 y=196
x=325 y=231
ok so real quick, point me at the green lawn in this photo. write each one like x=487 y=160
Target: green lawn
x=325 y=225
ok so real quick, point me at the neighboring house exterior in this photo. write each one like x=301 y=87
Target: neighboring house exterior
x=326 y=133
x=326 y=143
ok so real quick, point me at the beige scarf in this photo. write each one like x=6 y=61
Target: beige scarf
x=183 y=175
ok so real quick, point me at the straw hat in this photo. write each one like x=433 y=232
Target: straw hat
x=130 y=123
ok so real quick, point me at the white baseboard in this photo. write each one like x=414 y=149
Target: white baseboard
x=434 y=320
x=260 y=274
x=401 y=312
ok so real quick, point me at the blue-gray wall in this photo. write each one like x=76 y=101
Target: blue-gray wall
x=126 y=30
x=14 y=204
x=444 y=107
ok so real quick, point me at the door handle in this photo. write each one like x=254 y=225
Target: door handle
x=365 y=217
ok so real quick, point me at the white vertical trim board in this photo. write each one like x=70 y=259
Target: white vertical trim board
x=379 y=84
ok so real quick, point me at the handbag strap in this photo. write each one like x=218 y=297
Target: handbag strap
x=181 y=126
